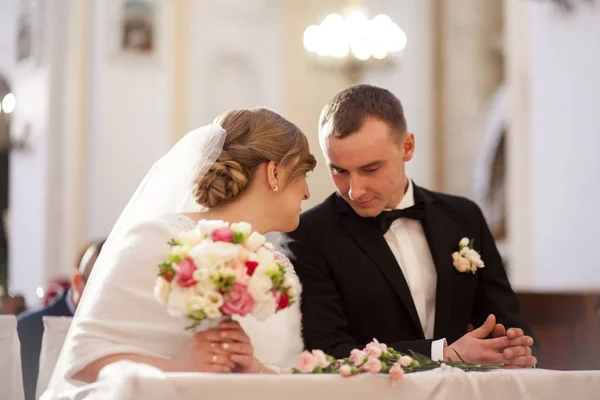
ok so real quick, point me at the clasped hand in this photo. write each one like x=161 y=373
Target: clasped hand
x=509 y=347
x=227 y=349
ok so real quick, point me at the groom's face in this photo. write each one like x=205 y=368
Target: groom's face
x=367 y=166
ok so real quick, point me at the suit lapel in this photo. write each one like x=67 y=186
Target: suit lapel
x=440 y=232
x=367 y=234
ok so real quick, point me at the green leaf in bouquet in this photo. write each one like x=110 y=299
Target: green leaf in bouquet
x=239 y=237
x=175 y=242
x=196 y=317
x=225 y=283
x=174 y=258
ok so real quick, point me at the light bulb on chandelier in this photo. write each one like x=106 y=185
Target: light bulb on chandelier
x=353 y=42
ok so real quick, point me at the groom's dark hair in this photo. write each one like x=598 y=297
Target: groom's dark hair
x=347 y=111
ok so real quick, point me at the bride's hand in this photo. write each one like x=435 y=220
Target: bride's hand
x=239 y=347
x=207 y=353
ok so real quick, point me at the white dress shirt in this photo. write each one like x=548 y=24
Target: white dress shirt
x=408 y=243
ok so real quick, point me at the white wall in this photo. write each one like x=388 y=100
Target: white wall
x=130 y=114
x=8 y=10
x=412 y=80
x=554 y=190
x=565 y=140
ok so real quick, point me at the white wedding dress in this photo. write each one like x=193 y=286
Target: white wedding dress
x=127 y=318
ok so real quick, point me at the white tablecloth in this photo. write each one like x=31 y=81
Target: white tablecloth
x=11 y=378
x=134 y=381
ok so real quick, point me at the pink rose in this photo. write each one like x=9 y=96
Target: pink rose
x=307 y=362
x=346 y=370
x=373 y=350
x=373 y=365
x=238 y=301
x=251 y=266
x=358 y=357
x=406 y=361
x=222 y=235
x=396 y=372
x=185 y=272
x=320 y=358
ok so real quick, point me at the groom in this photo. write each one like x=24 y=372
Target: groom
x=375 y=259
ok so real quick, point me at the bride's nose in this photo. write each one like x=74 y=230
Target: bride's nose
x=306 y=191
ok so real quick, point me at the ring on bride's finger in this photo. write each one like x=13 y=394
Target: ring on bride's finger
x=214 y=359
x=213 y=345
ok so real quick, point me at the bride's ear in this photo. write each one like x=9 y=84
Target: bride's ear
x=272 y=175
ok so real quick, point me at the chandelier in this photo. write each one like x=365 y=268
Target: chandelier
x=352 y=42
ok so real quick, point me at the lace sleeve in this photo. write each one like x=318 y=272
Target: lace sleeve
x=290 y=272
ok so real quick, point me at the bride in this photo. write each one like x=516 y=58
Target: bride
x=250 y=165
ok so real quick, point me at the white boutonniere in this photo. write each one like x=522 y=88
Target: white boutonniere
x=466 y=259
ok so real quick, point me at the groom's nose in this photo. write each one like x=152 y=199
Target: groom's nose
x=357 y=187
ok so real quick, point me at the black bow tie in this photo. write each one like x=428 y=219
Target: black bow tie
x=386 y=218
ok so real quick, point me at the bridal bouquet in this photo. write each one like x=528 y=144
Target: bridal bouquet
x=218 y=270
x=378 y=358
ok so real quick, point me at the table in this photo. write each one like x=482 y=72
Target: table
x=137 y=381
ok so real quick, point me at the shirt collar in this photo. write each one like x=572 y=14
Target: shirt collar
x=409 y=197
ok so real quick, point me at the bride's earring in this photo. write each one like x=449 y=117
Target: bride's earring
x=276 y=188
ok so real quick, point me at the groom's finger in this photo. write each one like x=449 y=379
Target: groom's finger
x=499 y=331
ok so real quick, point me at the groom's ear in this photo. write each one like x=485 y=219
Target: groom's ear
x=408 y=145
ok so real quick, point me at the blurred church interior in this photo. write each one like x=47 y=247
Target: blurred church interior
x=503 y=98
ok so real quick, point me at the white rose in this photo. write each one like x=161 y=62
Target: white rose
x=197 y=302
x=212 y=312
x=464 y=242
x=190 y=238
x=201 y=274
x=223 y=252
x=205 y=227
x=242 y=227
x=205 y=286
x=215 y=299
x=260 y=286
x=162 y=288
x=177 y=305
x=180 y=251
x=265 y=257
x=264 y=309
x=254 y=241
x=473 y=256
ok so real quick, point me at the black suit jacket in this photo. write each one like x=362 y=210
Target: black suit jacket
x=31 y=329
x=354 y=289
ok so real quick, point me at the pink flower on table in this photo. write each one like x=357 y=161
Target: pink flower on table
x=396 y=372
x=238 y=301
x=373 y=350
x=382 y=346
x=222 y=235
x=307 y=362
x=406 y=361
x=358 y=357
x=373 y=365
x=346 y=370
x=185 y=273
x=320 y=359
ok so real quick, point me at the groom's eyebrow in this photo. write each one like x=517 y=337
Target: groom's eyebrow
x=366 y=166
